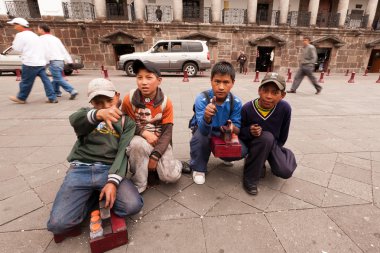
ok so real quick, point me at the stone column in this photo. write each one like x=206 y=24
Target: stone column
x=284 y=9
x=371 y=11
x=177 y=11
x=252 y=11
x=100 y=9
x=342 y=9
x=139 y=6
x=313 y=9
x=216 y=11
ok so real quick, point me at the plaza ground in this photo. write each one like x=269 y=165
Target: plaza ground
x=331 y=204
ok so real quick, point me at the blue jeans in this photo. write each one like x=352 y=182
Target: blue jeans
x=200 y=151
x=56 y=68
x=72 y=203
x=28 y=75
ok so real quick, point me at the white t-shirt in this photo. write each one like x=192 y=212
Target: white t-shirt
x=55 y=50
x=29 y=45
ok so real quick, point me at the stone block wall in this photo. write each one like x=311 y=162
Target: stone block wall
x=87 y=40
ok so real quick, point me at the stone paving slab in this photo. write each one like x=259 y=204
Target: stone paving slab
x=331 y=204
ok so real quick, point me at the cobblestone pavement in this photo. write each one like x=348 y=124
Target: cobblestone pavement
x=331 y=204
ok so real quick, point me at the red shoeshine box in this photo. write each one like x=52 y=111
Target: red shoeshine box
x=222 y=149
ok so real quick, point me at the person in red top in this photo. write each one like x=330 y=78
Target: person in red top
x=150 y=152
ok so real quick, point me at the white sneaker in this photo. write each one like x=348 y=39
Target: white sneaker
x=199 y=177
x=227 y=163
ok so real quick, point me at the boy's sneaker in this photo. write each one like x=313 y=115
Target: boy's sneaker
x=74 y=93
x=186 y=167
x=227 y=163
x=199 y=177
x=250 y=189
x=291 y=91
x=58 y=95
x=52 y=101
x=17 y=100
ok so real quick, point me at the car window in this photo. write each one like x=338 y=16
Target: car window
x=195 y=46
x=161 y=47
x=177 y=47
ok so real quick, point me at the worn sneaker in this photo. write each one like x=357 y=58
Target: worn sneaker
x=199 y=177
x=291 y=91
x=250 y=189
x=228 y=163
x=52 y=101
x=186 y=167
x=73 y=95
x=17 y=100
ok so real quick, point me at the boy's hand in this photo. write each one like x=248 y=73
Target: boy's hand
x=109 y=191
x=152 y=165
x=255 y=130
x=109 y=115
x=150 y=137
x=210 y=110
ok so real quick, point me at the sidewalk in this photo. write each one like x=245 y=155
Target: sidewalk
x=331 y=204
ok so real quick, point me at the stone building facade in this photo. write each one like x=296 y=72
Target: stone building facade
x=344 y=31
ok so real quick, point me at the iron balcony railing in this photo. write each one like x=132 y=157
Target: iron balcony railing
x=153 y=13
x=355 y=21
x=328 y=19
x=78 y=10
x=299 y=18
x=118 y=11
x=234 y=16
x=23 y=9
x=207 y=15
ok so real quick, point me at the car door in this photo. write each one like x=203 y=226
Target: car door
x=178 y=55
x=10 y=59
x=159 y=56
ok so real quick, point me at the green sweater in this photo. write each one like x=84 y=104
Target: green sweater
x=97 y=143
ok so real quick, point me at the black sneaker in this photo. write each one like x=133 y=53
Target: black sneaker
x=186 y=167
x=291 y=91
x=318 y=91
x=250 y=189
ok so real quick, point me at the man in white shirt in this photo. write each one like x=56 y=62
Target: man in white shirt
x=33 y=62
x=56 y=54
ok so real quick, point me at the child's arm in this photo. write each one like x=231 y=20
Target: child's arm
x=201 y=104
x=118 y=169
x=284 y=132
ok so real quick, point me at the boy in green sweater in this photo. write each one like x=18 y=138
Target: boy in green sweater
x=97 y=163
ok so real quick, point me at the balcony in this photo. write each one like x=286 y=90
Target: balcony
x=299 y=18
x=234 y=16
x=78 y=10
x=118 y=11
x=355 y=21
x=328 y=19
x=24 y=9
x=159 y=13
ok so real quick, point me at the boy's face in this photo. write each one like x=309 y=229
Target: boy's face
x=104 y=102
x=147 y=83
x=270 y=95
x=221 y=85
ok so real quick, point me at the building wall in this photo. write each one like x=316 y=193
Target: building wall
x=85 y=40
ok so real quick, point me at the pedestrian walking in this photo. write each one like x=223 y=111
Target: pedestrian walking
x=56 y=54
x=242 y=60
x=307 y=65
x=33 y=62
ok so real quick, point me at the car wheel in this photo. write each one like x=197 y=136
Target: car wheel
x=68 y=72
x=129 y=69
x=191 y=69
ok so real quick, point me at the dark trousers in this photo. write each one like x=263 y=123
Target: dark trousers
x=305 y=70
x=281 y=160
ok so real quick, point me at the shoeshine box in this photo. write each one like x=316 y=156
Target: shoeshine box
x=225 y=149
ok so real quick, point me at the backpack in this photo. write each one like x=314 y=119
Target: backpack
x=163 y=104
x=193 y=121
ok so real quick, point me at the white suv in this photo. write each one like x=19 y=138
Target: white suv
x=171 y=56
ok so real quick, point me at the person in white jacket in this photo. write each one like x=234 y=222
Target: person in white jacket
x=33 y=62
x=56 y=54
